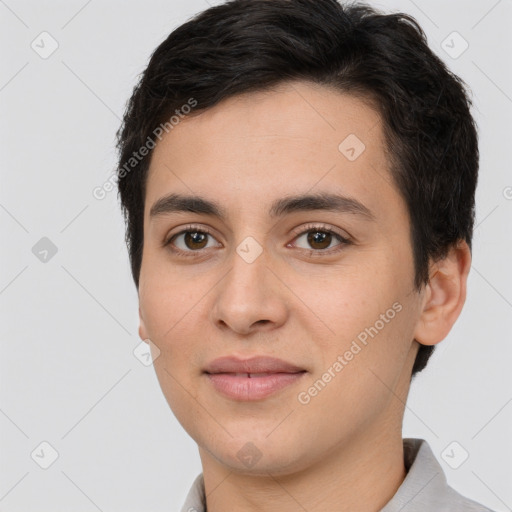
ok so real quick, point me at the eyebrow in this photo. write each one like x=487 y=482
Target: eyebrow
x=174 y=203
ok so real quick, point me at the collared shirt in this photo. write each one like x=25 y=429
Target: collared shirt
x=424 y=488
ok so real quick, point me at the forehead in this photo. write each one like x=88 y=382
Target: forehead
x=253 y=148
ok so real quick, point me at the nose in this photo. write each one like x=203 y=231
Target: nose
x=250 y=297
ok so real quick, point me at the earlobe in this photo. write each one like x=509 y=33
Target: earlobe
x=444 y=296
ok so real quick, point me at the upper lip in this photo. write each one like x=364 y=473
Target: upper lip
x=257 y=364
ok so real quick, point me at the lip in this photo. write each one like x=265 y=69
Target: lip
x=255 y=364
x=251 y=379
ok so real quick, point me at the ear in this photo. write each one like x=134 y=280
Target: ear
x=143 y=334
x=445 y=294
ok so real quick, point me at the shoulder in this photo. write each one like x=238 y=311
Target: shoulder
x=456 y=502
x=425 y=487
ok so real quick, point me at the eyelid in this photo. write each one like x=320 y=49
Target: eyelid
x=320 y=226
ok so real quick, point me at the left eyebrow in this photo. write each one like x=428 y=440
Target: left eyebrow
x=321 y=201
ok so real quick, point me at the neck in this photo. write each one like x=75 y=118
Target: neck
x=363 y=473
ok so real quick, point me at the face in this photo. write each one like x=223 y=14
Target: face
x=325 y=286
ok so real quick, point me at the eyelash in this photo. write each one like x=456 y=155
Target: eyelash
x=306 y=229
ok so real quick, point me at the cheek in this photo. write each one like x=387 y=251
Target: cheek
x=164 y=296
x=176 y=308
x=367 y=315
x=170 y=318
x=357 y=380
x=348 y=297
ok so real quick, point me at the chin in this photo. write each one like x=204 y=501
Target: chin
x=260 y=455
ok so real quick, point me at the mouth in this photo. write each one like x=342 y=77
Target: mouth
x=251 y=375
x=251 y=386
x=251 y=379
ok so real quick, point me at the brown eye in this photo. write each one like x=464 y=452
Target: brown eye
x=319 y=239
x=189 y=241
x=195 y=239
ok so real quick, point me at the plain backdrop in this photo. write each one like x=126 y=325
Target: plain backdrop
x=69 y=375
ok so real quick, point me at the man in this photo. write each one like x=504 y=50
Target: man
x=298 y=182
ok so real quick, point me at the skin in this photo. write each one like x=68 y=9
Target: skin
x=342 y=450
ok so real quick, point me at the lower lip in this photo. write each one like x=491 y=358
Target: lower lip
x=251 y=388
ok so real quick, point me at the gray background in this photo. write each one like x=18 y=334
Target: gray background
x=69 y=323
